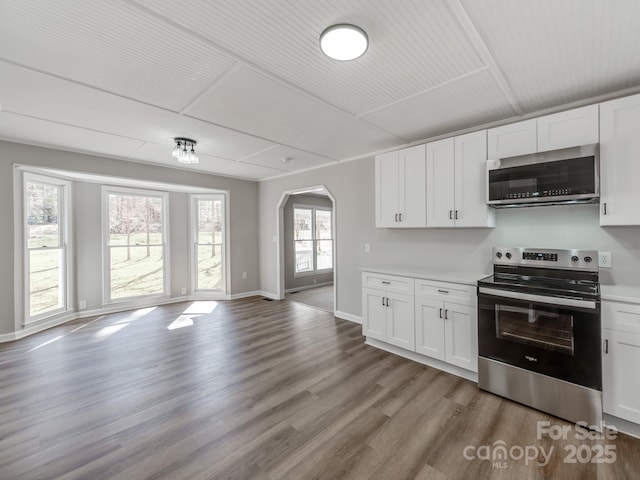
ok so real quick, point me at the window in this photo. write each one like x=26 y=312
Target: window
x=208 y=256
x=136 y=251
x=46 y=237
x=313 y=240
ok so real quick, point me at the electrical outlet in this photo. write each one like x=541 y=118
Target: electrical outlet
x=244 y=275
x=367 y=247
x=604 y=259
x=82 y=304
x=183 y=291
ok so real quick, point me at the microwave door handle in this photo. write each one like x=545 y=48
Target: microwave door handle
x=529 y=297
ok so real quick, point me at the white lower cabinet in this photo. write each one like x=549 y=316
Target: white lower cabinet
x=620 y=384
x=438 y=321
x=387 y=315
x=620 y=360
x=445 y=330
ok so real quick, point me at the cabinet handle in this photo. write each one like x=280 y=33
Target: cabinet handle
x=387 y=304
x=440 y=313
x=383 y=301
x=456 y=215
x=384 y=282
x=443 y=291
x=604 y=205
x=396 y=217
x=606 y=346
x=400 y=216
x=446 y=317
x=450 y=214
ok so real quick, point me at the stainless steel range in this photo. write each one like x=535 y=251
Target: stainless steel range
x=539 y=331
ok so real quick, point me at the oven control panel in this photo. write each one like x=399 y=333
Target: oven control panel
x=540 y=256
x=545 y=257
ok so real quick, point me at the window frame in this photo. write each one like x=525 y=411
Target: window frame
x=313 y=240
x=194 y=198
x=64 y=242
x=106 y=248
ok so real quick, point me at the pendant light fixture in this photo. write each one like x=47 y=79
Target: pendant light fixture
x=344 y=42
x=184 y=150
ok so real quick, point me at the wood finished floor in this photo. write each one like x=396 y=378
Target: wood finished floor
x=253 y=390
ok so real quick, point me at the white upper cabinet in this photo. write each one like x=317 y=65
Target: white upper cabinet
x=440 y=183
x=456 y=182
x=568 y=129
x=401 y=188
x=471 y=208
x=552 y=132
x=511 y=140
x=619 y=164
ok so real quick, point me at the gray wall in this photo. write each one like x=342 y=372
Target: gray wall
x=87 y=214
x=291 y=281
x=352 y=186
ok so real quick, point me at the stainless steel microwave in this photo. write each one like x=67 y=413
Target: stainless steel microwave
x=570 y=175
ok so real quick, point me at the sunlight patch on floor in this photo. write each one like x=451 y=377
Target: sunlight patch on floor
x=201 y=307
x=46 y=343
x=181 y=322
x=135 y=315
x=110 y=330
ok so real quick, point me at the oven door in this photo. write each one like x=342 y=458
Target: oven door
x=552 y=336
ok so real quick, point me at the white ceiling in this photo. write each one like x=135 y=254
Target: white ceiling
x=247 y=80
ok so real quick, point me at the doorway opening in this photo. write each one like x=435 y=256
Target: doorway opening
x=307 y=247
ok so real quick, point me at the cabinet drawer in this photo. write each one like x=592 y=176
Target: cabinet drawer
x=448 y=292
x=388 y=283
x=623 y=317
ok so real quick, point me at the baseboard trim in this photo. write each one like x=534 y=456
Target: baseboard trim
x=348 y=316
x=416 y=357
x=308 y=287
x=270 y=295
x=622 y=426
x=255 y=293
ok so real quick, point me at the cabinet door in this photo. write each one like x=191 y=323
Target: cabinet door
x=619 y=165
x=471 y=208
x=620 y=385
x=568 y=129
x=374 y=314
x=512 y=140
x=461 y=336
x=440 y=173
x=412 y=191
x=400 y=321
x=429 y=327
x=387 y=185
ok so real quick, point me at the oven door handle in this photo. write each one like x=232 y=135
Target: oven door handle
x=565 y=302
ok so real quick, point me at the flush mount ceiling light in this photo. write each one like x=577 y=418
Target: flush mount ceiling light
x=184 y=151
x=344 y=42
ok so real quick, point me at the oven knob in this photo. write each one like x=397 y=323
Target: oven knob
x=575 y=258
x=499 y=255
x=508 y=255
x=588 y=259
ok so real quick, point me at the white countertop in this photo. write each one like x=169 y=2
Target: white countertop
x=620 y=293
x=443 y=275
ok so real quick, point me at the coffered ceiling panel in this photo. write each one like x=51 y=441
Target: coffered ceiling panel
x=46 y=133
x=250 y=101
x=554 y=52
x=112 y=46
x=414 y=44
x=287 y=159
x=438 y=111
